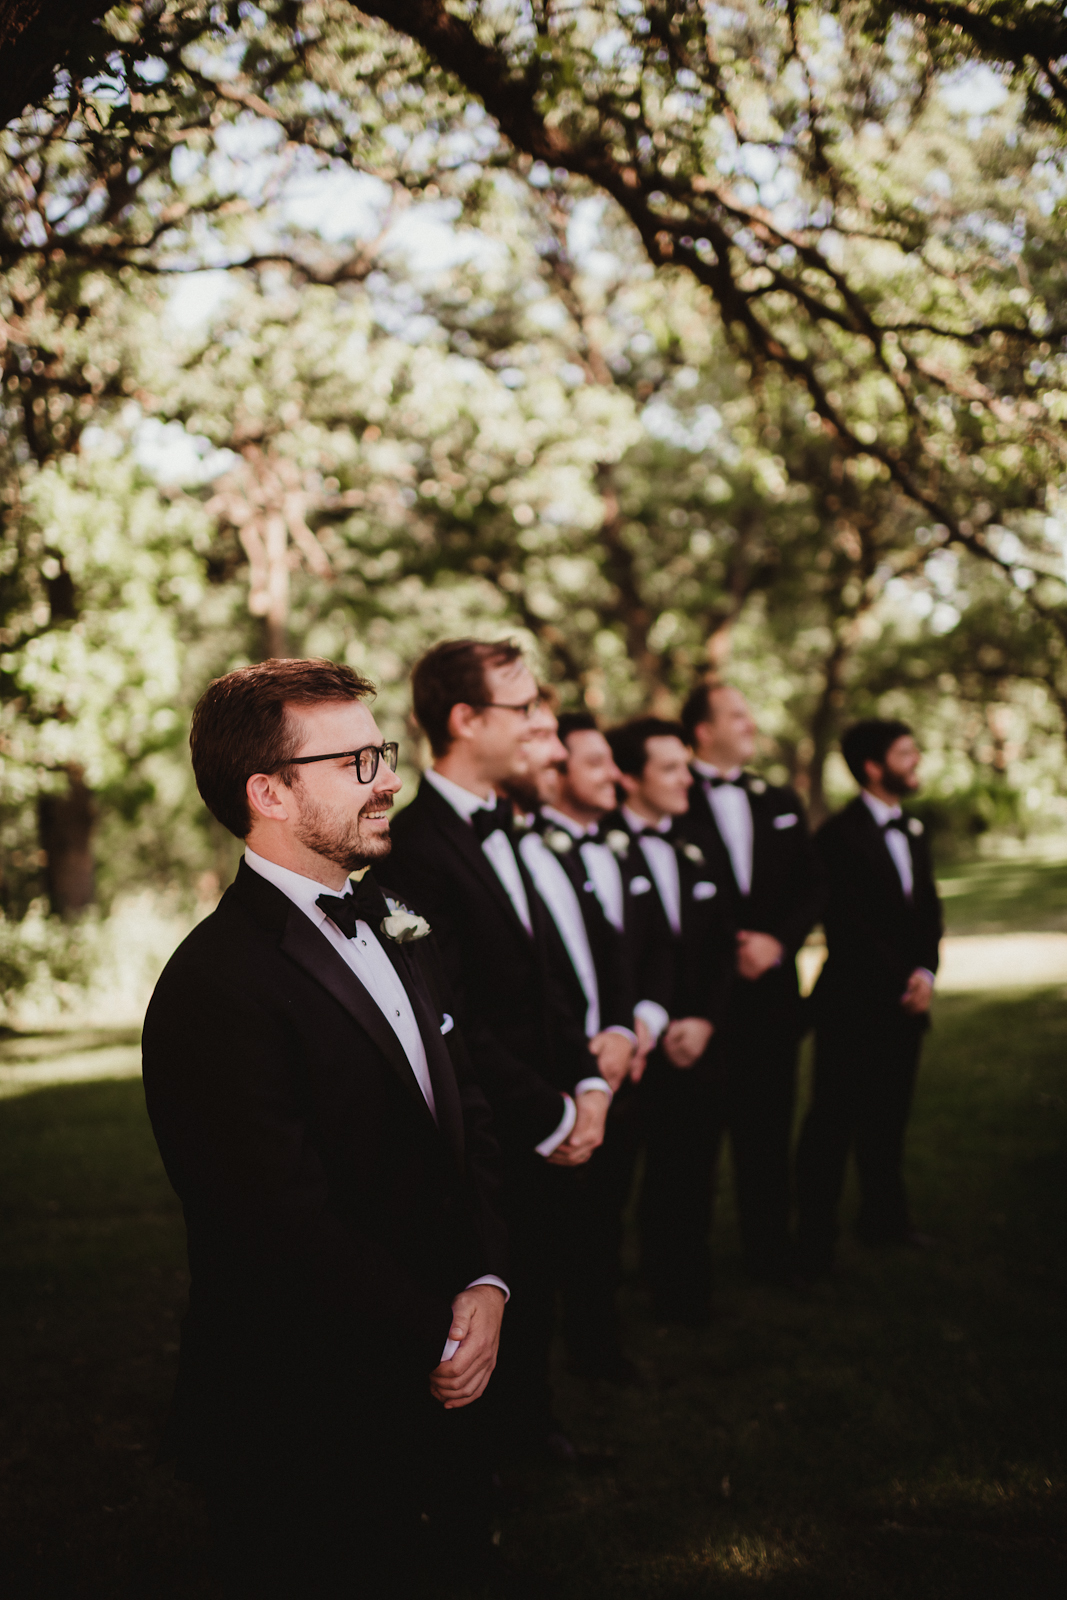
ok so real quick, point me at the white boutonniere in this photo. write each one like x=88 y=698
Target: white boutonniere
x=618 y=842
x=401 y=925
x=558 y=841
x=915 y=827
x=692 y=852
x=640 y=885
x=756 y=786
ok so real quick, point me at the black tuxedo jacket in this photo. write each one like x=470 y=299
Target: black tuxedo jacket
x=785 y=896
x=330 y=1219
x=525 y=1040
x=687 y=973
x=607 y=945
x=875 y=937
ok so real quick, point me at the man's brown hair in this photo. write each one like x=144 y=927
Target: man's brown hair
x=240 y=727
x=453 y=674
x=698 y=707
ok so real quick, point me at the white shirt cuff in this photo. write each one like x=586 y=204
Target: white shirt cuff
x=654 y=1016
x=556 y=1138
x=452 y=1345
x=627 y=1033
x=601 y=1085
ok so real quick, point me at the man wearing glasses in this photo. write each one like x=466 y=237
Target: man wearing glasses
x=476 y=703
x=317 y=1114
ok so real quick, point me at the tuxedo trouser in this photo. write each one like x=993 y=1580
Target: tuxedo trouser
x=865 y=1071
x=604 y=1186
x=540 y=1207
x=681 y=1108
x=371 y=1519
x=756 y=1061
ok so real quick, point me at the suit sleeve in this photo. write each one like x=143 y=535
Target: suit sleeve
x=803 y=892
x=526 y=1106
x=225 y=1102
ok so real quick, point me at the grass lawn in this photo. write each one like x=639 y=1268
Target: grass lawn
x=900 y=1432
x=1004 y=896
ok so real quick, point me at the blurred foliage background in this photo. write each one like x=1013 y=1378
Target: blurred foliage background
x=672 y=341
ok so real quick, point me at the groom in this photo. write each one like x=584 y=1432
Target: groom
x=316 y=1112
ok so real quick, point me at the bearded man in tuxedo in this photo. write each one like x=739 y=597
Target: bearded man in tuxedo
x=872 y=1001
x=479 y=706
x=755 y=836
x=318 y=1116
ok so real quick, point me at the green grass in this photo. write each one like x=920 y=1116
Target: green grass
x=1005 y=896
x=900 y=1432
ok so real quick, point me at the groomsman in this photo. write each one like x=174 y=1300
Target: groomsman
x=571 y=785
x=318 y=1117
x=756 y=840
x=682 y=953
x=479 y=706
x=871 y=1003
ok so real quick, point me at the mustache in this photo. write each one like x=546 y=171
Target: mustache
x=381 y=802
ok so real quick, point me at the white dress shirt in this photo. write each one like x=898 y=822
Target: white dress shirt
x=602 y=865
x=557 y=891
x=663 y=865
x=895 y=842
x=732 y=810
x=501 y=856
x=365 y=957
x=497 y=847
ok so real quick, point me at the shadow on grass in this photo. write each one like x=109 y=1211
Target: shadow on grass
x=899 y=1432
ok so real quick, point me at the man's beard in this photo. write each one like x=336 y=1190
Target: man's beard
x=897 y=784
x=341 y=839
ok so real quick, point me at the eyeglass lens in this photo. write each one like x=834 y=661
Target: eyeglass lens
x=369 y=757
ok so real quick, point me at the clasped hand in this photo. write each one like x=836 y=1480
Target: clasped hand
x=588 y=1131
x=476 y=1318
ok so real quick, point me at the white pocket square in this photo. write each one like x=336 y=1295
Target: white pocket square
x=640 y=885
x=447 y=1025
x=788 y=819
x=704 y=891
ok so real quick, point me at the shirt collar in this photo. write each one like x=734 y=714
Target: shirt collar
x=462 y=801
x=303 y=892
x=577 y=830
x=878 y=808
x=638 y=824
x=705 y=770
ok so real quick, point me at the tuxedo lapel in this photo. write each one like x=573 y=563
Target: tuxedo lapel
x=304 y=944
x=461 y=837
x=872 y=841
x=707 y=828
x=442 y=1075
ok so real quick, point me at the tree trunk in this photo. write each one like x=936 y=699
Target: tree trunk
x=66 y=823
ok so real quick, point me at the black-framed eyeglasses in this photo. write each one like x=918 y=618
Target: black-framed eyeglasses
x=526 y=706
x=365 y=759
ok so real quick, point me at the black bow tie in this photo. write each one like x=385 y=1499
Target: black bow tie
x=735 y=783
x=365 y=903
x=900 y=823
x=656 y=833
x=489 y=821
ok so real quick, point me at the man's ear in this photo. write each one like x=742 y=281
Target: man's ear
x=267 y=797
x=873 y=771
x=629 y=784
x=461 y=720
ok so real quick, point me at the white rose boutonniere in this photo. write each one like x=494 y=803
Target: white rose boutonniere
x=401 y=925
x=558 y=840
x=692 y=852
x=757 y=786
x=915 y=827
x=618 y=842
